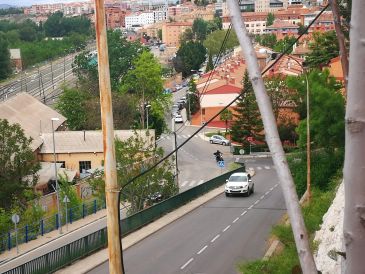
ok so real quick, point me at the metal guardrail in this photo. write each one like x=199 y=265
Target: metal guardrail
x=80 y=248
x=33 y=230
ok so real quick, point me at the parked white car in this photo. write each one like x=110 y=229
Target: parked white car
x=218 y=139
x=178 y=119
x=239 y=183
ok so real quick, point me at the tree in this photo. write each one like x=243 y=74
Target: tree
x=189 y=57
x=53 y=25
x=270 y=19
x=326 y=127
x=283 y=44
x=193 y=98
x=186 y=36
x=200 y=28
x=302 y=29
x=159 y=34
x=323 y=48
x=226 y=116
x=247 y=119
x=267 y=40
x=144 y=81
x=345 y=11
x=214 y=41
x=72 y=105
x=210 y=65
x=5 y=65
x=18 y=165
x=133 y=156
x=278 y=92
x=121 y=53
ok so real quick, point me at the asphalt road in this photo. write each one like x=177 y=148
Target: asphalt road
x=215 y=237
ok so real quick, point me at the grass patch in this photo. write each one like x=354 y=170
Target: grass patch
x=287 y=261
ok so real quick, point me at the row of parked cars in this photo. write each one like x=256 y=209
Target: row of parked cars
x=176 y=110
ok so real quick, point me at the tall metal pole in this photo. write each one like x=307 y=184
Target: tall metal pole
x=174 y=144
x=110 y=171
x=56 y=179
x=272 y=137
x=309 y=193
x=52 y=74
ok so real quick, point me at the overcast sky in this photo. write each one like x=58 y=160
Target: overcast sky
x=31 y=2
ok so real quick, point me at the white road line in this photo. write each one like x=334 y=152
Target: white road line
x=168 y=138
x=267 y=167
x=262 y=197
x=271 y=188
x=201 y=250
x=235 y=220
x=228 y=226
x=179 y=137
x=192 y=183
x=189 y=135
x=184 y=136
x=215 y=238
x=256 y=202
x=186 y=264
x=244 y=212
x=200 y=182
x=184 y=183
x=259 y=168
x=195 y=136
x=267 y=192
x=251 y=206
x=276 y=185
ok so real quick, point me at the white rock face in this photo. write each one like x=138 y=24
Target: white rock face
x=330 y=236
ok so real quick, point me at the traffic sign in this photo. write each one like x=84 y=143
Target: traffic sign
x=15 y=218
x=221 y=163
x=242 y=151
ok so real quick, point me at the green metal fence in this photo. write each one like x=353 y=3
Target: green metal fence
x=80 y=248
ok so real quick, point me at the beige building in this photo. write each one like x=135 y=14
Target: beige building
x=83 y=150
x=270 y=5
x=171 y=32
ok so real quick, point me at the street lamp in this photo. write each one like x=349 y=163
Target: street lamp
x=188 y=93
x=308 y=130
x=147 y=107
x=55 y=173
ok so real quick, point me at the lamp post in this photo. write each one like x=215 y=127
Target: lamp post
x=188 y=94
x=309 y=194
x=147 y=107
x=55 y=173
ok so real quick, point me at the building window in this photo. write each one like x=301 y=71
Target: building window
x=84 y=165
x=203 y=111
x=63 y=163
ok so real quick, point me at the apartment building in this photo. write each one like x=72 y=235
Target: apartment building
x=159 y=15
x=172 y=31
x=81 y=8
x=139 y=19
x=270 y=5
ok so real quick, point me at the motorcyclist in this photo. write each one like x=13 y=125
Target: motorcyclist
x=218 y=156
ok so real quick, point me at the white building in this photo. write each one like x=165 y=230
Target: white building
x=159 y=15
x=139 y=19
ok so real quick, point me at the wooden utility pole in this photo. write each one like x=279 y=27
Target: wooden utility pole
x=354 y=170
x=110 y=171
x=341 y=41
x=272 y=136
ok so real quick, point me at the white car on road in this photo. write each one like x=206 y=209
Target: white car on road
x=218 y=139
x=178 y=119
x=239 y=183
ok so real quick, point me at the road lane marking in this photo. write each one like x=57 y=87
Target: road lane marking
x=201 y=250
x=271 y=188
x=192 y=183
x=244 y=212
x=256 y=202
x=259 y=168
x=267 y=192
x=251 y=206
x=215 y=238
x=186 y=264
x=228 y=226
x=262 y=197
x=267 y=167
x=276 y=185
x=235 y=220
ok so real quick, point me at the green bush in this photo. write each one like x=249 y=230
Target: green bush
x=324 y=165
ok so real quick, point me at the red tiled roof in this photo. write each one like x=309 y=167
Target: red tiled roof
x=225 y=89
